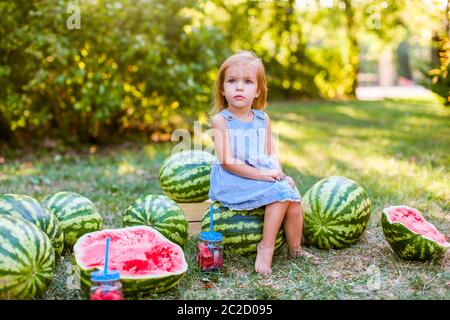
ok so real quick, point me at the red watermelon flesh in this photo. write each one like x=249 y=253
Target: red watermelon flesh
x=414 y=221
x=132 y=252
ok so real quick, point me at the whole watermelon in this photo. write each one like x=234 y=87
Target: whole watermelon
x=161 y=213
x=241 y=230
x=32 y=210
x=77 y=214
x=336 y=213
x=410 y=236
x=184 y=176
x=27 y=259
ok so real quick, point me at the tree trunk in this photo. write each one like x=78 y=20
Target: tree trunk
x=353 y=44
x=435 y=49
x=6 y=133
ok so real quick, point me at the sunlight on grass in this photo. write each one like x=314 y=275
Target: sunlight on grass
x=401 y=178
x=352 y=112
x=409 y=178
x=125 y=168
x=409 y=123
x=398 y=155
x=311 y=159
x=286 y=129
x=24 y=169
x=291 y=157
x=107 y=172
x=293 y=118
x=150 y=151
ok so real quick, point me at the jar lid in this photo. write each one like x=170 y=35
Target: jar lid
x=99 y=276
x=211 y=236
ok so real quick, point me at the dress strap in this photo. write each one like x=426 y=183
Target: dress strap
x=259 y=113
x=227 y=115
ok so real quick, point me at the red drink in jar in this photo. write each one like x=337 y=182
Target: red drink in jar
x=210 y=251
x=106 y=286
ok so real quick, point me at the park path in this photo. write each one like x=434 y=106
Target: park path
x=379 y=93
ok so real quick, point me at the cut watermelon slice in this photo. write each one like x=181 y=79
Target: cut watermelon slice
x=147 y=261
x=410 y=235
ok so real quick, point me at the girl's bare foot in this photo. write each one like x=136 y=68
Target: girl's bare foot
x=299 y=252
x=263 y=263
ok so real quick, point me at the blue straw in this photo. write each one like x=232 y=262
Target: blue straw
x=106 y=255
x=211 y=219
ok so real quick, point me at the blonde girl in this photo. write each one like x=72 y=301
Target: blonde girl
x=247 y=173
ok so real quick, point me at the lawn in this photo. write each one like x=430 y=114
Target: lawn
x=398 y=150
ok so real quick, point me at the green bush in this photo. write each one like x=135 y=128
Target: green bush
x=133 y=65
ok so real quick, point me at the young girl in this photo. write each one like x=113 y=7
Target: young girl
x=247 y=173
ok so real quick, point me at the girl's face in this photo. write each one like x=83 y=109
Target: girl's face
x=240 y=85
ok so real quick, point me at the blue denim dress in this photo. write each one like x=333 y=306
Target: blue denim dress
x=247 y=142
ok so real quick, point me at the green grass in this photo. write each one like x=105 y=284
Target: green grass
x=397 y=149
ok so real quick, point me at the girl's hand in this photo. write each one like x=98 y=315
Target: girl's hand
x=272 y=174
x=291 y=181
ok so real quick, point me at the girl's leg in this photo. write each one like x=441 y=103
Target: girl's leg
x=293 y=226
x=273 y=217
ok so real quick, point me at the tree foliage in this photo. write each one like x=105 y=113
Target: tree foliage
x=438 y=78
x=149 y=65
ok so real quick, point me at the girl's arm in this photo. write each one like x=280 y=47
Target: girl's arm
x=223 y=153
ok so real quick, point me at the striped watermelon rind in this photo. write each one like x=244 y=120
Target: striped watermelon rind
x=184 y=176
x=133 y=285
x=408 y=244
x=242 y=230
x=76 y=213
x=336 y=213
x=161 y=213
x=27 y=259
x=136 y=286
x=32 y=210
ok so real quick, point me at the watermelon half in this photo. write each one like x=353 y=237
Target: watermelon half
x=147 y=261
x=410 y=236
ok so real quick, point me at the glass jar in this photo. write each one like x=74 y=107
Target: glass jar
x=210 y=251
x=106 y=286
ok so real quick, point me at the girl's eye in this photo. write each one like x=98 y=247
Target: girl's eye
x=248 y=81
x=231 y=81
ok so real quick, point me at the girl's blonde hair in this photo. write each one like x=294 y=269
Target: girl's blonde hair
x=245 y=57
